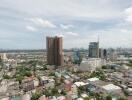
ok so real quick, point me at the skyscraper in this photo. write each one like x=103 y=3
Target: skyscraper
x=76 y=56
x=55 y=51
x=103 y=53
x=94 y=50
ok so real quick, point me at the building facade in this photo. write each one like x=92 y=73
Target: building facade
x=76 y=56
x=94 y=50
x=102 y=53
x=91 y=64
x=55 y=51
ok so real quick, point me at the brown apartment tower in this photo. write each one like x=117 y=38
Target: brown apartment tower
x=55 y=51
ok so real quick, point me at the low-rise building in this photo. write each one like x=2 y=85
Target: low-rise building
x=91 y=64
x=111 y=88
x=61 y=98
x=93 y=79
x=47 y=82
x=129 y=91
x=26 y=97
x=78 y=84
x=74 y=89
x=43 y=97
x=67 y=85
x=84 y=95
x=29 y=83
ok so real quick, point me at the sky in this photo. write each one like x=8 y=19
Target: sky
x=24 y=24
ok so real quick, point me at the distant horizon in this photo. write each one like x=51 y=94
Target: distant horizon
x=63 y=48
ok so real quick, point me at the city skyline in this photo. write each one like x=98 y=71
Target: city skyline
x=24 y=24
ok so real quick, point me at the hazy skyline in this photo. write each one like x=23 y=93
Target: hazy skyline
x=24 y=24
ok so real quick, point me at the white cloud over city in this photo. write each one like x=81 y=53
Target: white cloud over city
x=43 y=23
x=128 y=13
x=26 y=23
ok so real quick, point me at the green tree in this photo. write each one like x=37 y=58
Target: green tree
x=98 y=96
x=122 y=98
x=19 y=78
x=54 y=91
x=27 y=69
x=44 y=68
x=63 y=92
x=51 y=74
x=126 y=93
x=130 y=61
x=46 y=93
x=35 y=96
x=34 y=67
x=81 y=89
x=104 y=67
x=23 y=71
x=86 y=98
x=102 y=77
x=6 y=77
x=109 y=97
x=100 y=74
x=91 y=93
x=28 y=74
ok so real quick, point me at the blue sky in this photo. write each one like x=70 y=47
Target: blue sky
x=24 y=24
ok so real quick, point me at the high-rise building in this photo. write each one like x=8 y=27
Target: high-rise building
x=103 y=53
x=55 y=51
x=76 y=57
x=94 y=50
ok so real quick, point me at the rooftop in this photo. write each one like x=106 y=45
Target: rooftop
x=80 y=84
x=44 y=78
x=93 y=79
x=111 y=87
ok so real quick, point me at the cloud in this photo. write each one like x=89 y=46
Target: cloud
x=128 y=13
x=76 y=20
x=66 y=26
x=67 y=34
x=68 y=8
x=72 y=33
x=43 y=23
x=31 y=28
x=124 y=30
x=59 y=35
